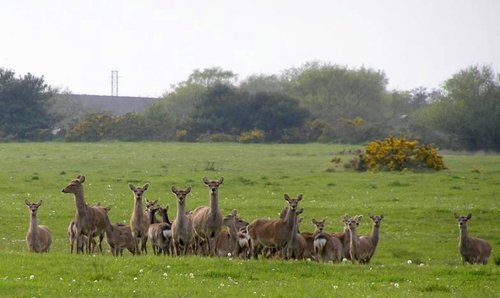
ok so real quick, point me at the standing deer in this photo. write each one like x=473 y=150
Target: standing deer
x=326 y=247
x=182 y=228
x=232 y=241
x=90 y=220
x=473 y=250
x=268 y=233
x=207 y=221
x=39 y=237
x=362 y=248
x=138 y=222
x=297 y=244
x=73 y=240
x=160 y=234
x=119 y=237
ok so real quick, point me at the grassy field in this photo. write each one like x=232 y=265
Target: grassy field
x=417 y=254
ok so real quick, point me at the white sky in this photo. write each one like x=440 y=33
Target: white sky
x=153 y=44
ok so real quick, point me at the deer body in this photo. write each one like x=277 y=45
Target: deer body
x=207 y=221
x=138 y=221
x=234 y=240
x=273 y=233
x=38 y=237
x=326 y=247
x=160 y=234
x=89 y=220
x=119 y=237
x=182 y=228
x=473 y=250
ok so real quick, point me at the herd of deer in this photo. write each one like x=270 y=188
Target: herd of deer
x=200 y=231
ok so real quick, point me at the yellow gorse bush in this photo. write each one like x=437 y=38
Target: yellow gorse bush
x=398 y=154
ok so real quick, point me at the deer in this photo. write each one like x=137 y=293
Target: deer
x=274 y=233
x=345 y=238
x=38 y=237
x=149 y=205
x=73 y=240
x=207 y=220
x=90 y=220
x=138 y=221
x=182 y=228
x=295 y=248
x=119 y=237
x=473 y=250
x=326 y=247
x=160 y=234
x=234 y=240
x=362 y=248
x=372 y=240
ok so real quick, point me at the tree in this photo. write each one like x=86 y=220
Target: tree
x=25 y=105
x=209 y=77
x=468 y=110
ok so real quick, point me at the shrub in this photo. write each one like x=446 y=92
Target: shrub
x=252 y=136
x=398 y=154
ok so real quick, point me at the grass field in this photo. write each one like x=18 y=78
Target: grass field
x=417 y=254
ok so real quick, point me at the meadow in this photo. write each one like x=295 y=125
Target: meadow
x=417 y=254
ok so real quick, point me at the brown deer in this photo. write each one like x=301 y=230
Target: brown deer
x=73 y=240
x=182 y=228
x=233 y=241
x=90 y=220
x=274 y=233
x=362 y=248
x=473 y=250
x=39 y=237
x=327 y=248
x=138 y=222
x=160 y=234
x=149 y=205
x=119 y=237
x=296 y=246
x=371 y=241
x=207 y=220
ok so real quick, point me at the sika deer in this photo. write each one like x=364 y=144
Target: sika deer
x=207 y=221
x=39 y=237
x=138 y=222
x=160 y=234
x=73 y=240
x=182 y=228
x=119 y=237
x=273 y=233
x=473 y=250
x=90 y=220
x=232 y=241
x=362 y=248
x=371 y=241
x=326 y=247
x=297 y=244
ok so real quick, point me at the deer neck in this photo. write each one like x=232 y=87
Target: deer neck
x=354 y=241
x=181 y=212
x=375 y=234
x=214 y=201
x=108 y=227
x=232 y=231
x=464 y=236
x=33 y=226
x=80 y=201
x=138 y=208
x=164 y=217
x=291 y=219
x=151 y=216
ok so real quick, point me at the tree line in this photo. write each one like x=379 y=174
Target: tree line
x=316 y=102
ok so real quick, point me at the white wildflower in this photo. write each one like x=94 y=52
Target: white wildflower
x=32 y=277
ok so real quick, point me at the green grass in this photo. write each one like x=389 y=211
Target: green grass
x=418 y=223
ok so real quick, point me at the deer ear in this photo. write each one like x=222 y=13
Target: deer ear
x=26 y=202
x=381 y=216
x=313 y=221
x=146 y=186
x=188 y=190
x=174 y=189
x=81 y=178
x=221 y=179
x=287 y=197
x=39 y=203
x=469 y=216
x=456 y=215
x=300 y=211
x=299 y=198
x=205 y=180
x=370 y=215
x=131 y=186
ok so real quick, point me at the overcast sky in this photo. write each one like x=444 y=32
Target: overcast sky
x=154 y=44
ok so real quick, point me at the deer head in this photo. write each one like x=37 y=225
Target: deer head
x=75 y=185
x=33 y=207
x=181 y=194
x=213 y=184
x=320 y=225
x=138 y=191
x=293 y=202
x=462 y=220
x=376 y=219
